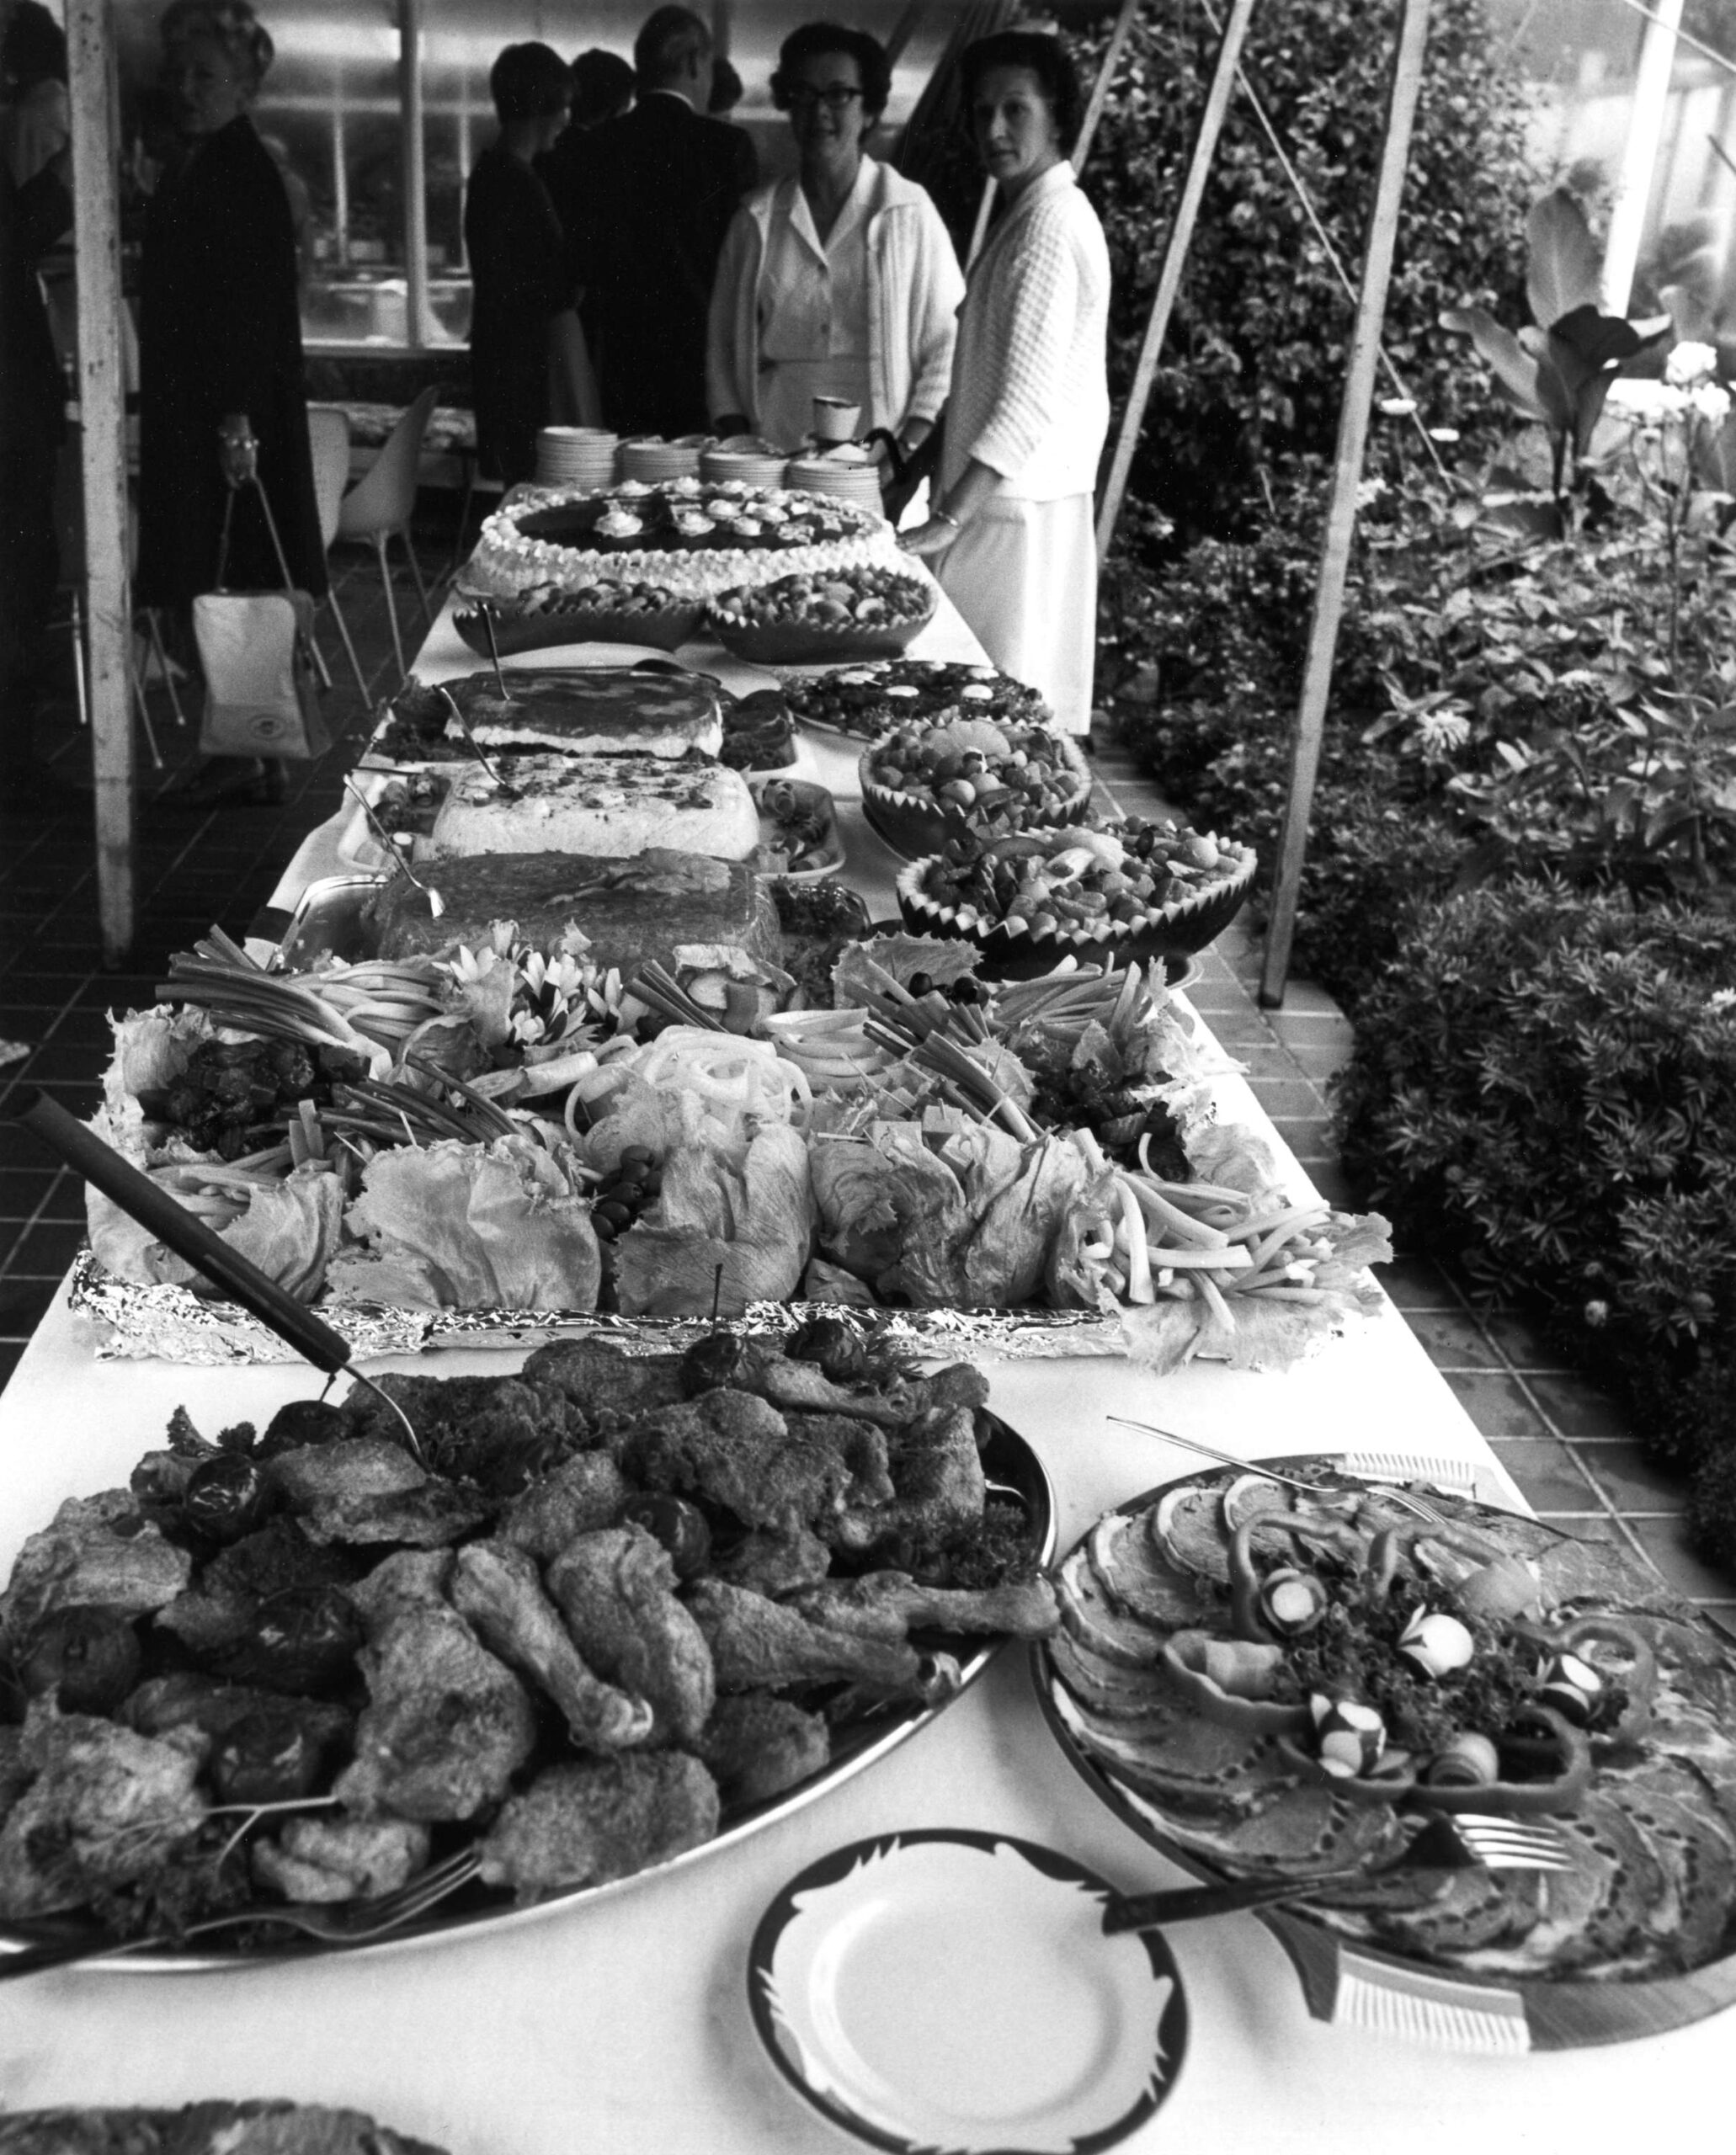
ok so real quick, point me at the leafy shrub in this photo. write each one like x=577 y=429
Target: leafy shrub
x=1544 y=1087
x=1253 y=366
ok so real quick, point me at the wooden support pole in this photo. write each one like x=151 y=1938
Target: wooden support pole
x=1181 y=233
x=1346 y=480
x=94 y=96
x=1105 y=79
x=419 y=322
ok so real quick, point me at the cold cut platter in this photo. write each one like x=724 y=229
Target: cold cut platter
x=1267 y=1680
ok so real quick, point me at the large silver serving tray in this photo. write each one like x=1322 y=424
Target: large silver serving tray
x=1014 y=1471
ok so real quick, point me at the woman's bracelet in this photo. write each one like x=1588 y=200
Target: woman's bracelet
x=940 y=516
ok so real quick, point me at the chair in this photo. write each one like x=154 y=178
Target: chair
x=329 y=437
x=381 y=502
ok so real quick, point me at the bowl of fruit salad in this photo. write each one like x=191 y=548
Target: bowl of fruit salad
x=547 y=617
x=927 y=783
x=1128 y=891
x=825 y=619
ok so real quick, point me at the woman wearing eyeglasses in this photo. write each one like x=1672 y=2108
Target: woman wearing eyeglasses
x=841 y=281
x=1010 y=533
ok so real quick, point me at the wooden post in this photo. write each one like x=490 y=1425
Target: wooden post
x=1105 y=78
x=419 y=322
x=1346 y=480
x=1181 y=233
x=94 y=96
x=1639 y=156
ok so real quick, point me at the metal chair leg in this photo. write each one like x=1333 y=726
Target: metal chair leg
x=78 y=657
x=154 y=626
x=397 y=640
x=144 y=708
x=355 y=664
x=416 y=570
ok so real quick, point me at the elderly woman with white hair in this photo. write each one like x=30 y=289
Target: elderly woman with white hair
x=222 y=394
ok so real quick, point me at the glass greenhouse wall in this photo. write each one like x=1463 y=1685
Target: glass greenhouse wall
x=354 y=79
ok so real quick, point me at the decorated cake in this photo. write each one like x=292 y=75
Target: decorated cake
x=689 y=536
x=606 y=805
x=631 y=911
x=590 y=711
x=1283 y=1681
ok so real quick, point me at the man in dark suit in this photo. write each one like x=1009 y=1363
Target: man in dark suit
x=664 y=182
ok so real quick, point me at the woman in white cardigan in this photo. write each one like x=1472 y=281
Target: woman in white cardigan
x=841 y=281
x=1010 y=532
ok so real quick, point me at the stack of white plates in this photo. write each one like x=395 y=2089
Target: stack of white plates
x=851 y=474
x=750 y=467
x=654 y=461
x=576 y=456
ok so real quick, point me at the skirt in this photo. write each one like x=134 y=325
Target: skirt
x=1023 y=575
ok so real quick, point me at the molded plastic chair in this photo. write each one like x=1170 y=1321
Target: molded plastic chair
x=329 y=436
x=381 y=501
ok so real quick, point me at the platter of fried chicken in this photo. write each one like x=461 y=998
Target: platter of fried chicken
x=529 y=1636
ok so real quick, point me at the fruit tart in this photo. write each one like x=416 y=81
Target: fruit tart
x=1124 y=891
x=925 y=784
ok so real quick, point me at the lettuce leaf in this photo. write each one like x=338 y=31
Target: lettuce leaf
x=500 y=1226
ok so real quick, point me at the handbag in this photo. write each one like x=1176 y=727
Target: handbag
x=261 y=683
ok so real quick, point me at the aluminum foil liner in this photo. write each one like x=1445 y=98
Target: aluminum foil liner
x=175 y=1325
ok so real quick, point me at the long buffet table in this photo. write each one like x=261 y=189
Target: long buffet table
x=622 y=2024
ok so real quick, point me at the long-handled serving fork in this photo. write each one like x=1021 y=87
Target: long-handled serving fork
x=1464 y=1841
x=1405 y=1498
x=351 y=1923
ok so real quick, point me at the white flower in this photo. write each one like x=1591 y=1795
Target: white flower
x=1369 y=491
x=1667 y=402
x=1711 y=402
x=1690 y=362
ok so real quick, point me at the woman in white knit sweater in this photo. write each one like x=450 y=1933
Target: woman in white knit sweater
x=1011 y=534
x=840 y=281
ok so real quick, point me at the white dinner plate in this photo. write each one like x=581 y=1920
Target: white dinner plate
x=949 y=1990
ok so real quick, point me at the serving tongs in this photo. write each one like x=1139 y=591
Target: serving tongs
x=235 y=1275
x=394 y=854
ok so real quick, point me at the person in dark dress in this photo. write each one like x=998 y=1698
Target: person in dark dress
x=665 y=181
x=32 y=428
x=518 y=265
x=602 y=89
x=222 y=393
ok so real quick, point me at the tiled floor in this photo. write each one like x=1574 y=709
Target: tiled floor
x=1566 y=1444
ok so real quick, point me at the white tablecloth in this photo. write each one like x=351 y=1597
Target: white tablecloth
x=622 y=2025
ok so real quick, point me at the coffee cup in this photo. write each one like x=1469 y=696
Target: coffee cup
x=834 y=420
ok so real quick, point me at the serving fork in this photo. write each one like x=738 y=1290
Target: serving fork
x=1406 y=1499
x=350 y=1923
x=1462 y=1840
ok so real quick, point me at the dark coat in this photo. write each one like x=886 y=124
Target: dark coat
x=32 y=428
x=519 y=279
x=220 y=331
x=665 y=182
